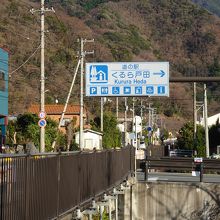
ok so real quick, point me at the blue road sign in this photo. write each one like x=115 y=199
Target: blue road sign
x=127 y=79
x=127 y=90
x=42 y=122
x=104 y=90
x=150 y=90
x=149 y=128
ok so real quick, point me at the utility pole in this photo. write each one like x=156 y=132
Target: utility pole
x=102 y=108
x=125 y=122
x=117 y=108
x=141 y=118
x=194 y=111
x=67 y=101
x=42 y=78
x=206 y=122
x=82 y=56
x=134 y=123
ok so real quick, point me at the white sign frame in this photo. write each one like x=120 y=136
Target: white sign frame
x=127 y=79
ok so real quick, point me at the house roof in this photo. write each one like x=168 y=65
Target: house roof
x=90 y=131
x=55 y=109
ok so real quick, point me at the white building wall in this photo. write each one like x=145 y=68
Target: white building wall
x=211 y=120
x=91 y=140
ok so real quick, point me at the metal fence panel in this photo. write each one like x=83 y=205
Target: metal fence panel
x=45 y=186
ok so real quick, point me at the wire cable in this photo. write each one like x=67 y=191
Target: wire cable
x=25 y=61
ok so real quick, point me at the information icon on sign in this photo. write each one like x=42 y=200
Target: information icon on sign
x=161 y=89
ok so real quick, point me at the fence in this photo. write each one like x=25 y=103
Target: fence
x=46 y=186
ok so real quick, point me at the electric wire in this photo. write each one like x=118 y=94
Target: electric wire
x=25 y=61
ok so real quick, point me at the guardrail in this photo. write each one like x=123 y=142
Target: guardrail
x=167 y=164
x=45 y=186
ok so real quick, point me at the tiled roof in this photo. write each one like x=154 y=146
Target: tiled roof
x=55 y=109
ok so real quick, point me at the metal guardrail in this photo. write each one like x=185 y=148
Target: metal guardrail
x=184 y=164
x=168 y=164
x=44 y=186
x=179 y=164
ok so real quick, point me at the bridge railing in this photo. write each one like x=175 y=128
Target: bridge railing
x=45 y=186
x=179 y=164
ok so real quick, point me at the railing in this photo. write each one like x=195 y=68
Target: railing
x=45 y=186
x=182 y=164
x=178 y=164
x=168 y=164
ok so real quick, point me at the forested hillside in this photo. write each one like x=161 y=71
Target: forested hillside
x=211 y=5
x=176 y=31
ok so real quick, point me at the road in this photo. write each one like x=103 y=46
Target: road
x=178 y=177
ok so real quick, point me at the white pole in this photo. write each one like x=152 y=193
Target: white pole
x=194 y=110
x=141 y=117
x=81 y=97
x=102 y=106
x=116 y=207
x=67 y=101
x=125 y=124
x=206 y=121
x=42 y=78
x=117 y=108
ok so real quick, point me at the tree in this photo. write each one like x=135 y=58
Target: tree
x=214 y=137
x=185 y=140
x=26 y=129
x=112 y=135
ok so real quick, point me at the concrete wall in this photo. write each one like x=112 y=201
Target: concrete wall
x=171 y=201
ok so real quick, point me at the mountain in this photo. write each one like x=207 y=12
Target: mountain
x=211 y=5
x=176 y=31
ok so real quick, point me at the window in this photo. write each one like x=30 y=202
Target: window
x=2 y=81
x=65 y=121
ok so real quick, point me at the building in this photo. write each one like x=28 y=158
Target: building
x=92 y=139
x=3 y=95
x=55 y=111
x=211 y=120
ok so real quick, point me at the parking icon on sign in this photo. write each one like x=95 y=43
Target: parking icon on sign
x=93 y=90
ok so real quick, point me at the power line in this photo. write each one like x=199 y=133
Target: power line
x=25 y=61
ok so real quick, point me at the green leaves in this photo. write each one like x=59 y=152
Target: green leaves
x=186 y=138
x=26 y=129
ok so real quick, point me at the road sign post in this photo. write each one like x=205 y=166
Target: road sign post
x=127 y=79
x=42 y=123
x=42 y=115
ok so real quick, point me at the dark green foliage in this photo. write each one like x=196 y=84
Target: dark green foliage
x=211 y=5
x=62 y=56
x=214 y=137
x=186 y=139
x=164 y=134
x=169 y=112
x=112 y=135
x=56 y=25
x=122 y=45
x=26 y=129
x=214 y=68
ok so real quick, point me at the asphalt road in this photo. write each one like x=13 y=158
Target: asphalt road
x=177 y=177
